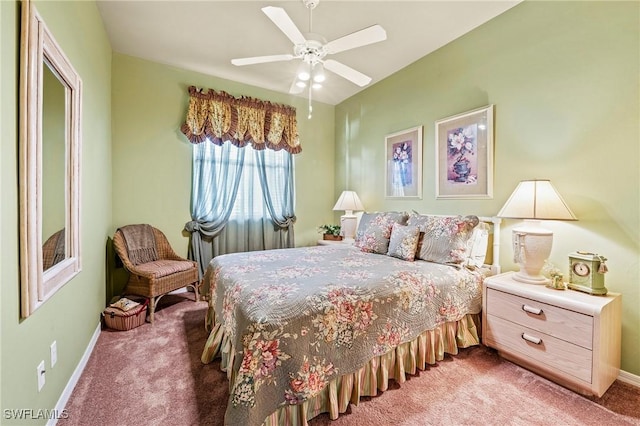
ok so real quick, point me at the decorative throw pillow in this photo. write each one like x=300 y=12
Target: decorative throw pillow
x=403 y=241
x=444 y=238
x=374 y=231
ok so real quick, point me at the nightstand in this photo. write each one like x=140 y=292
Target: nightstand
x=569 y=337
x=341 y=243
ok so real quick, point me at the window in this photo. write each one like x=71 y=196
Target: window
x=220 y=167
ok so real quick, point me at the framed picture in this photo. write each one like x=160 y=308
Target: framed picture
x=403 y=164
x=464 y=155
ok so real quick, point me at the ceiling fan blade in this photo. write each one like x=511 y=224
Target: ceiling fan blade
x=369 y=35
x=349 y=73
x=261 y=59
x=286 y=25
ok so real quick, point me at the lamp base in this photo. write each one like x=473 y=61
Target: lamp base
x=531 y=248
x=523 y=277
x=348 y=226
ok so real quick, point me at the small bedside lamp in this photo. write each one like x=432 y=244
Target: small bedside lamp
x=348 y=201
x=533 y=201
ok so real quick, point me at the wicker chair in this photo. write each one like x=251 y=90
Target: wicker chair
x=155 y=279
x=49 y=255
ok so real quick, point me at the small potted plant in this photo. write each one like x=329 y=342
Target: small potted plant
x=330 y=232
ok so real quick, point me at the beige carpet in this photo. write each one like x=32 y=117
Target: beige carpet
x=152 y=375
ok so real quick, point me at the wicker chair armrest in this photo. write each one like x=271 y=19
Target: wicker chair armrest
x=165 y=251
x=175 y=257
x=182 y=259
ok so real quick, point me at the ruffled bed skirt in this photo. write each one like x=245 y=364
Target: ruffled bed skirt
x=428 y=348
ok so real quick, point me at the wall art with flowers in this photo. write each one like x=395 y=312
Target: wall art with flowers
x=403 y=168
x=464 y=155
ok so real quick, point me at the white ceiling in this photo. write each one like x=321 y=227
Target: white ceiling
x=204 y=36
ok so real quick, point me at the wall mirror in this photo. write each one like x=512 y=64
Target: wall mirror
x=50 y=129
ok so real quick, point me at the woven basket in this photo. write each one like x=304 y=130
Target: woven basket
x=118 y=319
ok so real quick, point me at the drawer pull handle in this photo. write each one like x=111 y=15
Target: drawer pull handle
x=535 y=340
x=535 y=311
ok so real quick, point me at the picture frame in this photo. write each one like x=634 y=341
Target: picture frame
x=403 y=164
x=464 y=155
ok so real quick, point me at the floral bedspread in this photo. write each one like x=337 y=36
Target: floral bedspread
x=291 y=320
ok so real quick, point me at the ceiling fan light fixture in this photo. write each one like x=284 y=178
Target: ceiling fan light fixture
x=318 y=73
x=304 y=75
x=301 y=84
x=317 y=86
x=304 y=72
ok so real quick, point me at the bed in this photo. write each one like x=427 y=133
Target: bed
x=310 y=330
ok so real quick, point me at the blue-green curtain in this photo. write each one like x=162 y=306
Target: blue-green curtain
x=242 y=200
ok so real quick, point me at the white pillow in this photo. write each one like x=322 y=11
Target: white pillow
x=477 y=245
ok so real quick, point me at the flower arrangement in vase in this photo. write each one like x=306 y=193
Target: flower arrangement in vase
x=461 y=141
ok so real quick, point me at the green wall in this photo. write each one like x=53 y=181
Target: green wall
x=152 y=158
x=71 y=316
x=564 y=78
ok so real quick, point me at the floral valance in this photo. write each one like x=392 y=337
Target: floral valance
x=220 y=117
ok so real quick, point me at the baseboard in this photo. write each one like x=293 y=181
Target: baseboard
x=629 y=378
x=66 y=393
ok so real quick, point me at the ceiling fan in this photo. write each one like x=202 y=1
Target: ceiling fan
x=313 y=48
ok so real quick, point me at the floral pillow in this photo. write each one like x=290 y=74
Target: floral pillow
x=443 y=238
x=403 y=241
x=374 y=231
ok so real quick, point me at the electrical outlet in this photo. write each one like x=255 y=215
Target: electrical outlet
x=40 y=371
x=54 y=353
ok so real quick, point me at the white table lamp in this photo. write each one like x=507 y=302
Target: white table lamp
x=533 y=201
x=348 y=201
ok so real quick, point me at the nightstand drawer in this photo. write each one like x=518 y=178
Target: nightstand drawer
x=548 y=352
x=563 y=324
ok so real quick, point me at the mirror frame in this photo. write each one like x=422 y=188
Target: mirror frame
x=38 y=45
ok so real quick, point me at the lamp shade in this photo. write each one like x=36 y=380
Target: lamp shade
x=536 y=199
x=348 y=201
